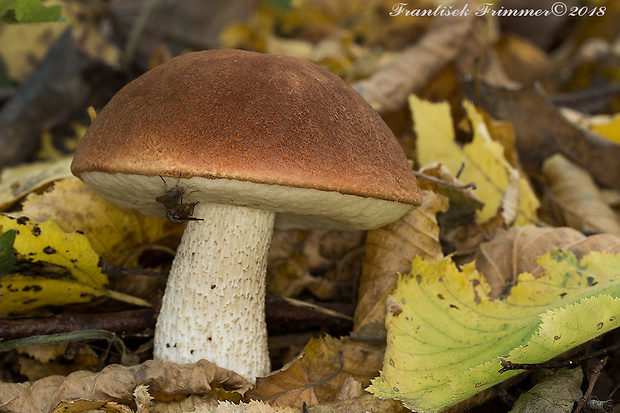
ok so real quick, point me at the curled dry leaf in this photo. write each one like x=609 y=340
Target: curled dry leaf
x=82 y=405
x=390 y=250
x=116 y=383
x=576 y=198
x=388 y=89
x=515 y=252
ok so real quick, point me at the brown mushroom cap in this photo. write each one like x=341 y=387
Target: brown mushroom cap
x=250 y=118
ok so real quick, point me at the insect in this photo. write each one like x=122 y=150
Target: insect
x=182 y=212
x=172 y=197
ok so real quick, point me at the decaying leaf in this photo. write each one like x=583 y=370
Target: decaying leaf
x=323 y=371
x=576 y=198
x=83 y=405
x=555 y=393
x=67 y=268
x=390 y=250
x=291 y=388
x=482 y=161
x=116 y=384
x=514 y=252
x=445 y=344
x=251 y=407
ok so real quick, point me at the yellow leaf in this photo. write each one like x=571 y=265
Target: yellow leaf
x=16 y=182
x=483 y=160
x=66 y=267
x=25 y=45
x=610 y=129
x=112 y=231
x=446 y=337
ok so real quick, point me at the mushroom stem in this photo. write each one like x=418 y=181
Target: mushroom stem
x=213 y=307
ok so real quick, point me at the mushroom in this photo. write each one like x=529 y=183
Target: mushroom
x=261 y=140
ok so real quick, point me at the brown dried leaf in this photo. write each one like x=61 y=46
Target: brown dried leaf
x=288 y=386
x=327 y=367
x=82 y=406
x=390 y=250
x=515 y=251
x=115 y=383
x=251 y=407
x=331 y=363
x=388 y=89
x=576 y=197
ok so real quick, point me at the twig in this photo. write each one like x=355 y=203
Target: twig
x=509 y=365
x=430 y=178
x=593 y=378
x=136 y=31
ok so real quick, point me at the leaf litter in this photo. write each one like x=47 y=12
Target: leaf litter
x=386 y=59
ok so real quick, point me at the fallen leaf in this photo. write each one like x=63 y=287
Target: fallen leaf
x=67 y=268
x=18 y=181
x=332 y=362
x=290 y=388
x=113 y=232
x=609 y=128
x=116 y=383
x=322 y=372
x=251 y=407
x=84 y=406
x=523 y=61
x=514 y=252
x=482 y=161
x=576 y=199
x=390 y=250
x=445 y=344
x=556 y=393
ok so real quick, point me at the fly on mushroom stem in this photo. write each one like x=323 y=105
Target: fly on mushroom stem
x=182 y=212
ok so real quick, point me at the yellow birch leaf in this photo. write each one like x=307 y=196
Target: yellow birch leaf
x=446 y=337
x=66 y=267
x=111 y=231
x=483 y=159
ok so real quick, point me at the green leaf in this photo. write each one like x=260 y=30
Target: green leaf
x=29 y=11
x=445 y=336
x=7 y=253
